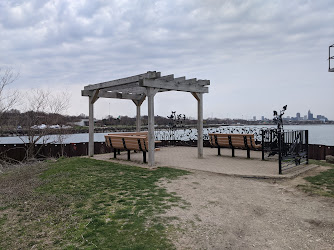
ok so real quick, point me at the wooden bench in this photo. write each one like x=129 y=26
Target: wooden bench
x=137 y=141
x=234 y=141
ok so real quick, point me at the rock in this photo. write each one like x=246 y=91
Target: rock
x=330 y=158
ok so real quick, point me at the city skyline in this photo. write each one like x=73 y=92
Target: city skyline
x=308 y=117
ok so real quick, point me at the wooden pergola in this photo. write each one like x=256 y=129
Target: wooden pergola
x=137 y=88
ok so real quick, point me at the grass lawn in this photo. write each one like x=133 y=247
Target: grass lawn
x=322 y=184
x=84 y=203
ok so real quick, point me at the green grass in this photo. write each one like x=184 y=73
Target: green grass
x=322 y=184
x=85 y=203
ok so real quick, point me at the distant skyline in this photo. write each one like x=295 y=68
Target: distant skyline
x=259 y=55
x=299 y=115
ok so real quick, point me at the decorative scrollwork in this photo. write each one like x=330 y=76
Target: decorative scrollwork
x=190 y=134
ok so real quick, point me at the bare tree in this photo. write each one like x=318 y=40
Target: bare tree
x=8 y=98
x=43 y=109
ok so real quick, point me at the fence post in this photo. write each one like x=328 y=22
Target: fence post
x=262 y=144
x=279 y=152
x=306 y=144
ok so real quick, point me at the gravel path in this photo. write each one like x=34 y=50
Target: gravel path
x=237 y=213
x=186 y=158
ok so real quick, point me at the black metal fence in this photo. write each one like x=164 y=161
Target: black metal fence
x=190 y=134
x=291 y=147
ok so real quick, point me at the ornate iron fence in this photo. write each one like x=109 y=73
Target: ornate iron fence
x=291 y=147
x=190 y=134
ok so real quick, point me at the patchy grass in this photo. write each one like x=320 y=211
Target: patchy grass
x=322 y=184
x=84 y=203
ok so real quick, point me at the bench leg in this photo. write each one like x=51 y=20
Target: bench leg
x=233 y=152
x=144 y=156
x=248 y=153
x=129 y=155
x=218 y=150
x=115 y=153
x=119 y=151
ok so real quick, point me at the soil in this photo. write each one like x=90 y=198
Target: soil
x=239 y=213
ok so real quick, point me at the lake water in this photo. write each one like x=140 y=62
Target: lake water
x=318 y=134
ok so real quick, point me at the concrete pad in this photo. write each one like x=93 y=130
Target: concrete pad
x=186 y=158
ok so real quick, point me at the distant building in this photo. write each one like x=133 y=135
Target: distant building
x=298 y=116
x=254 y=118
x=322 y=118
x=309 y=115
x=305 y=117
x=262 y=118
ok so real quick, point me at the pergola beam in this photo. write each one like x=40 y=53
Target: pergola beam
x=174 y=85
x=121 y=87
x=131 y=79
x=203 y=82
x=135 y=90
x=105 y=94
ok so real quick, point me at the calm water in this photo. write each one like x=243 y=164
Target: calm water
x=318 y=134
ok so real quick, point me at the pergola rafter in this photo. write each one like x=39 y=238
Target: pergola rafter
x=137 y=88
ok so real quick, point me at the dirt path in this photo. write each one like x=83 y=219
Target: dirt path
x=236 y=213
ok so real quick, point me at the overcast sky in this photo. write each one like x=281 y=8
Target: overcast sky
x=259 y=54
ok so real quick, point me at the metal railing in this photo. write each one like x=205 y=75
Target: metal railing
x=291 y=147
x=190 y=134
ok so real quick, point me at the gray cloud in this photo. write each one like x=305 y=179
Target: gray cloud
x=247 y=48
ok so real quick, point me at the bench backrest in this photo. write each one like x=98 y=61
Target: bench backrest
x=220 y=140
x=236 y=140
x=131 y=142
x=136 y=143
x=251 y=142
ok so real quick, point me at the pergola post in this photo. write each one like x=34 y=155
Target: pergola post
x=138 y=122
x=92 y=99
x=200 y=125
x=151 y=139
x=91 y=127
x=138 y=104
x=199 y=98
